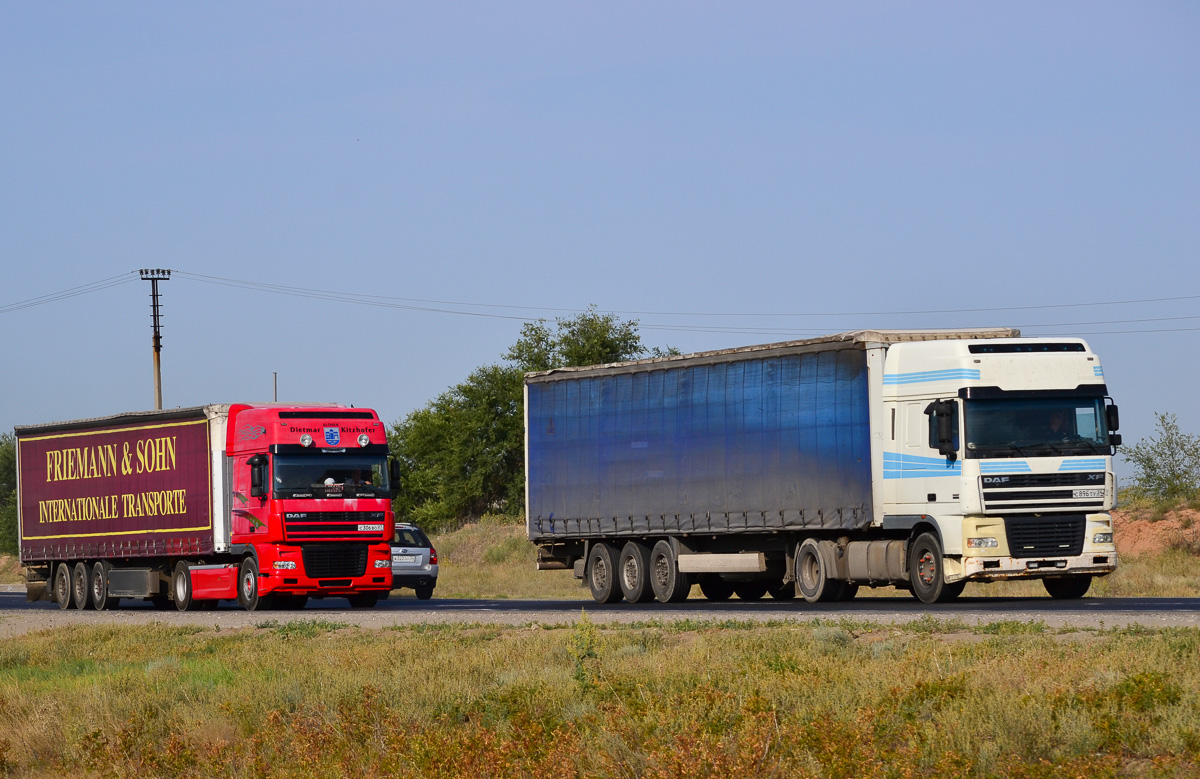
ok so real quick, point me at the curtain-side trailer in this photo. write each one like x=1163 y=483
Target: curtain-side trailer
x=270 y=504
x=920 y=459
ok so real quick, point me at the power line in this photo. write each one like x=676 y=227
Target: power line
x=83 y=289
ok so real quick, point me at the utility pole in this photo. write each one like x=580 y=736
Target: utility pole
x=155 y=275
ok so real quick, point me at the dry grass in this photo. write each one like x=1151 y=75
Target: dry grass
x=10 y=570
x=706 y=699
x=494 y=559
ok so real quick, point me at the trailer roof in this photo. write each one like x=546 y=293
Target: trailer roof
x=133 y=417
x=851 y=339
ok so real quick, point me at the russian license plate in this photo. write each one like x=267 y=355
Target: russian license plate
x=1087 y=493
x=404 y=558
x=370 y=528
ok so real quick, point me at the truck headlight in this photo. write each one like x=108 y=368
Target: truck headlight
x=1102 y=538
x=383 y=563
x=284 y=565
x=981 y=543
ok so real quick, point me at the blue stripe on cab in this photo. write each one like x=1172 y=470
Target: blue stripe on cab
x=1082 y=465
x=949 y=374
x=1004 y=466
x=908 y=466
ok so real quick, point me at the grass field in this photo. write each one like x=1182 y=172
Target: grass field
x=310 y=698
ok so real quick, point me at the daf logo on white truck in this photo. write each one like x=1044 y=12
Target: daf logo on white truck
x=921 y=459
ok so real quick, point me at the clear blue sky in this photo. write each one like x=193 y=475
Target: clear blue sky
x=828 y=163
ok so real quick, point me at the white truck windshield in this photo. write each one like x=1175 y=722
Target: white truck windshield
x=1038 y=427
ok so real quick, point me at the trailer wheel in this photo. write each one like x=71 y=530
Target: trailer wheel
x=100 y=597
x=812 y=578
x=714 y=587
x=62 y=585
x=783 y=591
x=1067 y=589
x=670 y=584
x=602 y=573
x=846 y=591
x=248 y=594
x=750 y=590
x=925 y=571
x=634 y=566
x=81 y=587
x=181 y=587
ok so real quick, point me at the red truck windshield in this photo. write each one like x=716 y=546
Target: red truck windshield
x=331 y=476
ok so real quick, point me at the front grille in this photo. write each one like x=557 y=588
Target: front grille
x=330 y=561
x=319 y=525
x=1060 y=536
x=1044 y=480
x=1028 y=492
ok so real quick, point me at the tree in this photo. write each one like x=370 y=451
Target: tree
x=462 y=455
x=8 y=494
x=1167 y=463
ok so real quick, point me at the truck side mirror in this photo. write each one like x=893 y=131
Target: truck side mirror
x=945 y=415
x=258 y=469
x=394 y=475
x=1113 y=418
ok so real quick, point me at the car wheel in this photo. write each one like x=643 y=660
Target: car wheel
x=715 y=588
x=181 y=587
x=101 y=600
x=812 y=578
x=62 y=586
x=424 y=591
x=363 y=600
x=670 y=584
x=925 y=572
x=634 y=578
x=1068 y=589
x=602 y=573
x=248 y=594
x=81 y=586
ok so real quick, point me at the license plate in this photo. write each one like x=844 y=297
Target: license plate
x=1087 y=493
x=404 y=558
x=370 y=528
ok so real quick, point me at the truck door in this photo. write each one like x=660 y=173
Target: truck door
x=248 y=514
x=921 y=475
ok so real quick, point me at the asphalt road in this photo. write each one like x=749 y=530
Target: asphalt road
x=17 y=616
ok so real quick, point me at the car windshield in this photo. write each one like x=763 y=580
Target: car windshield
x=331 y=476
x=410 y=536
x=1042 y=427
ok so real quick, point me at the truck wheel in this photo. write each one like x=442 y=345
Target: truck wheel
x=100 y=597
x=1068 y=589
x=363 y=600
x=715 y=588
x=750 y=590
x=846 y=591
x=602 y=573
x=62 y=586
x=424 y=591
x=181 y=587
x=81 y=587
x=783 y=591
x=248 y=587
x=634 y=566
x=670 y=584
x=812 y=578
x=925 y=571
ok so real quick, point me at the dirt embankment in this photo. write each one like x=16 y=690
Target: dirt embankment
x=1138 y=534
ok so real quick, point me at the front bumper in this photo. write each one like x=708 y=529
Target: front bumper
x=297 y=581
x=995 y=568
